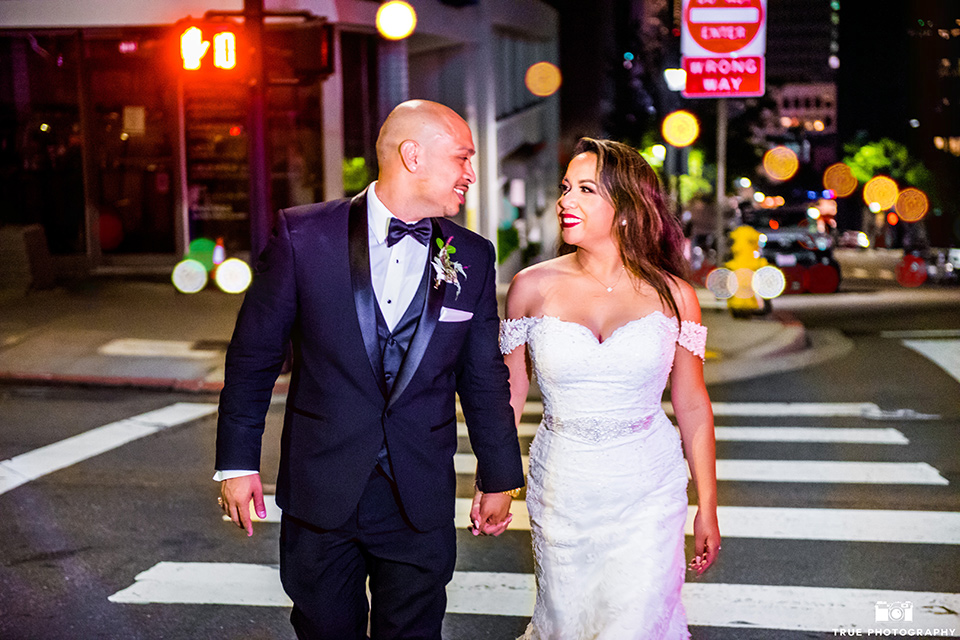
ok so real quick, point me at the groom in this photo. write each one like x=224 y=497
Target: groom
x=391 y=310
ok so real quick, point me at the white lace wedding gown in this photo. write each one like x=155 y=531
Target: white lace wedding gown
x=607 y=484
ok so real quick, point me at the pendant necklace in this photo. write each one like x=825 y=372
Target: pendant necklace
x=608 y=288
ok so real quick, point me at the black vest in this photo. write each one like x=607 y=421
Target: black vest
x=393 y=348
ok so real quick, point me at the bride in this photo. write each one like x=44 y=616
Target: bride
x=601 y=326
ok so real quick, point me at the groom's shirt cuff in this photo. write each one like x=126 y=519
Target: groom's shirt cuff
x=232 y=473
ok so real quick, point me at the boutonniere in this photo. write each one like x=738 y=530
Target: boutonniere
x=446 y=268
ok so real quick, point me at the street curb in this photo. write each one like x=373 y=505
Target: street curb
x=155 y=384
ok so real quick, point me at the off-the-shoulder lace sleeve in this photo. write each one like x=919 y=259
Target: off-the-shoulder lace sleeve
x=693 y=338
x=513 y=333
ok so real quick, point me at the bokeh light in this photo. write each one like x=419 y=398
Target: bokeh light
x=396 y=20
x=111 y=231
x=233 y=276
x=680 y=128
x=882 y=190
x=839 y=178
x=201 y=250
x=911 y=271
x=189 y=276
x=780 y=163
x=543 y=79
x=769 y=282
x=912 y=204
x=744 y=279
x=722 y=283
x=892 y=219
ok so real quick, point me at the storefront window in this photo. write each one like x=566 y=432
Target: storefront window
x=40 y=137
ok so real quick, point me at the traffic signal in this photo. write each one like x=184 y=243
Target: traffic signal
x=208 y=46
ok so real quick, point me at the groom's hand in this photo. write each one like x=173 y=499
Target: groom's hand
x=236 y=494
x=490 y=514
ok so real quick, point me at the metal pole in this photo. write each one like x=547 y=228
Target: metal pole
x=260 y=215
x=721 y=179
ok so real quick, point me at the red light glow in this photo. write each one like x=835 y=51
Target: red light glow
x=892 y=219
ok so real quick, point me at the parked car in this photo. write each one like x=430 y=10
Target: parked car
x=794 y=243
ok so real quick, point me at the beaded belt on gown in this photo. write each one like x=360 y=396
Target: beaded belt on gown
x=596 y=429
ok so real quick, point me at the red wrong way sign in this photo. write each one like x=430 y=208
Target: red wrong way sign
x=723 y=43
x=724 y=77
x=724 y=27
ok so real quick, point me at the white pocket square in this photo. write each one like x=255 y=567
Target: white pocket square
x=454 y=315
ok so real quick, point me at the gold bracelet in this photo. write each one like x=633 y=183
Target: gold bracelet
x=513 y=493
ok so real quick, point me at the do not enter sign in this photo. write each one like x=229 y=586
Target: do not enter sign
x=723 y=27
x=723 y=42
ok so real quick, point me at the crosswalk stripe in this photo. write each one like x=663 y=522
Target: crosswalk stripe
x=867 y=410
x=59 y=455
x=806 y=471
x=826 y=471
x=850 y=435
x=513 y=594
x=838 y=525
x=811 y=434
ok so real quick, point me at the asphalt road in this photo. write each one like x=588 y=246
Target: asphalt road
x=812 y=551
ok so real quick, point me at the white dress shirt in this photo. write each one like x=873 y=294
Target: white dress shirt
x=395 y=271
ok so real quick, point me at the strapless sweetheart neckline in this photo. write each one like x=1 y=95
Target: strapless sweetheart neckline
x=597 y=339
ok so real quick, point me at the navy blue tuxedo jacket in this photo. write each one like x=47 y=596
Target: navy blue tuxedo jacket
x=312 y=286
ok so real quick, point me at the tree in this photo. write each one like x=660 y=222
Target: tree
x=890 y=158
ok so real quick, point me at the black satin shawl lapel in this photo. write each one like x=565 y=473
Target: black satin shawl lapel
x=363 y=295
x=428 y=320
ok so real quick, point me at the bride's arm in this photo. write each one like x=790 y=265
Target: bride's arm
x=694 y=414
x=517 y=361
x=518 y=364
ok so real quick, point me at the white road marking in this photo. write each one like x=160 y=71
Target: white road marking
x=807 y=471
x=809 y=410
x=53 y=457
x=252 y=585
x=867 y=435
x=821 y=609
x=921 y=333
x=840 y=525
x=155 y=349
x=782 y=409
x=826 y=471
x=944 y=353
x=811 y=434
x=824 y=609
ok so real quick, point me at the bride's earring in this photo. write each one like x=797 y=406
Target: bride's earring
x=623 y=222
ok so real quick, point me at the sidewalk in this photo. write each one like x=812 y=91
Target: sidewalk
x=133 y=333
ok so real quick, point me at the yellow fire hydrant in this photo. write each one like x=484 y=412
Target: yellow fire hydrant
x=745 y=247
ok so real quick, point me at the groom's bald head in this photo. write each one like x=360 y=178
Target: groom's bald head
x=424 y=151
x=419 y=120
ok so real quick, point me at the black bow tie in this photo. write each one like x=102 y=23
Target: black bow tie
x=421 y=231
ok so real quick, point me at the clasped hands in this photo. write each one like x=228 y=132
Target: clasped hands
x=490 y=513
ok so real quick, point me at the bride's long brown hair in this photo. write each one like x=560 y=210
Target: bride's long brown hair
x=651 y=241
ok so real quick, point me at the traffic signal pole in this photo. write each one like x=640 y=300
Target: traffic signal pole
x=260 y=215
